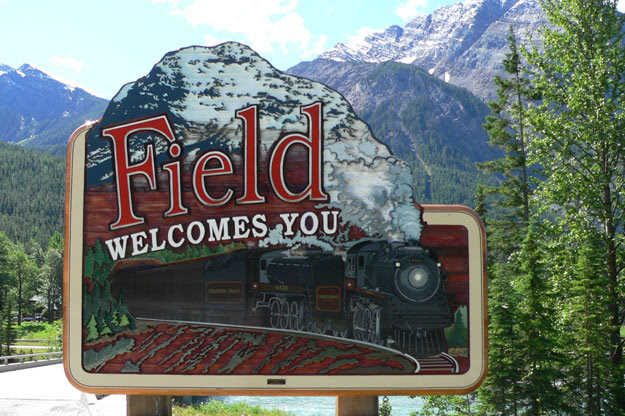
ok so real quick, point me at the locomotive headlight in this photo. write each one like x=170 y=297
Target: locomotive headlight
x=418 y=277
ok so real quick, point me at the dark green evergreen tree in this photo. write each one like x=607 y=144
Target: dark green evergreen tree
x=581 y=297
x=31 y=194
x=537 y=336
x=510 y=212
x=7 y=328
x=5 y=275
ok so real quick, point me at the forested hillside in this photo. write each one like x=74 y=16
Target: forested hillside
x=434 y=126
x=31 y=194
x=441 y=143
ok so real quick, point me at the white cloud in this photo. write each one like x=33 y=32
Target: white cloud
x=265 y=24
x=71 y=63
x=70 y=83
x=410 y=9
x=319 y=47
x=211 y=40
x=354 y=41
x=621 y=6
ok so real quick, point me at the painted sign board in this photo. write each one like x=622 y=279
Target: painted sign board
x=233 y=229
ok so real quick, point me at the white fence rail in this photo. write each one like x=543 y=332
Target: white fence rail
x=21 y=357
x=34 y=341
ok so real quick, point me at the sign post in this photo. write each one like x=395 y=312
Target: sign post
x=231 y=229
x=356 y=405
x=148 y=405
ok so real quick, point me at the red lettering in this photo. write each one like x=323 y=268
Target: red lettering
x=249 y=117
x=200 y=171
x=175 y=191
x=313 y=191
x=124 y=170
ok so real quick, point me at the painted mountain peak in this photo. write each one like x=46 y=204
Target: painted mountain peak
x=201 y=88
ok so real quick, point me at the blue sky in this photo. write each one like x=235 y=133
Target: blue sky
x=100 y=45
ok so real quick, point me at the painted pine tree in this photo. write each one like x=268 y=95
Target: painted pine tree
x=92 y=329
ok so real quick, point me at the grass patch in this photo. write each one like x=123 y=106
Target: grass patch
x=31 y=344
x=217 y=408
x=52 y=333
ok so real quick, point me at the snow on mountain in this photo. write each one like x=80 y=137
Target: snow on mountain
x=462 y=43
x=40 y=111
x=200 y=88
x=4 y=69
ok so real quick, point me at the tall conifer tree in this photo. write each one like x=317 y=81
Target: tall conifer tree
x=506 y=226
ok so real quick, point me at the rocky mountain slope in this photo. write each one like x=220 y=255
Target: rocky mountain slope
x=39 y=111
x=462 y=43
x=434 y=126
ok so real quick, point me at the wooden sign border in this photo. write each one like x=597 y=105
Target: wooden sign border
x=317 y=385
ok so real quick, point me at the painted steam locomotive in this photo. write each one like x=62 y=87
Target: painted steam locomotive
x=385 y=293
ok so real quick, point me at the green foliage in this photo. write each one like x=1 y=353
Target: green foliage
x=124 y=321
x=52 y=333
x=435 y=147
x=508 y=131
x=217 y=408
x=51 y=279
x=25 y=277
x=581 y=146
x=538 y=338
x=556 y=301
x=39 y=330
x=5 y=271
x=7 y=328
x=581 y=298
x=448 y=406
x=508 y=207
x=31 y=194
x=385 y=408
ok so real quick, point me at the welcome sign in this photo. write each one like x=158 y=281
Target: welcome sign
x=233 y=228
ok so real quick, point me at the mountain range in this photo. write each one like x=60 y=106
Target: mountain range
x=462 y=43
x=434 y=126
x=420 y=88
x=39 y=111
